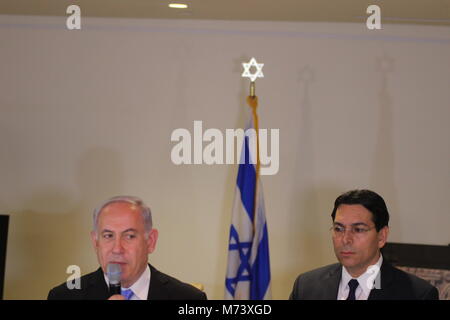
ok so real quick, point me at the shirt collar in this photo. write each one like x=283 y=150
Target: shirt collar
x=141 y=287
x=363 y=279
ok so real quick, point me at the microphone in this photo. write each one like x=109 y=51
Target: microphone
x=114 y=271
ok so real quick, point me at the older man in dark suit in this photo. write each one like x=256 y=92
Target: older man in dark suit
x=123 y=234
x=360 y=229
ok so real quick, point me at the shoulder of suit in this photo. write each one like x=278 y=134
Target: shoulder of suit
x=417 y=283
x=176 y=288
x=321 y=272
x=63 y=292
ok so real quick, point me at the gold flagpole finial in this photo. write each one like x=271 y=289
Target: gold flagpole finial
x=252 y=89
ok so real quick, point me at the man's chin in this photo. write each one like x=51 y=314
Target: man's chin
x=347 y=261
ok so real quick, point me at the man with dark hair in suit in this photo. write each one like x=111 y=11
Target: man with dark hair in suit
x=360 y=229
x=123 y=234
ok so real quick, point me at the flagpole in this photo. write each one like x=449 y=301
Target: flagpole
x=252 y=101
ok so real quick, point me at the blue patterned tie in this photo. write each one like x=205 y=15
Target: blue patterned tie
x=352 y=284
x=128 y=293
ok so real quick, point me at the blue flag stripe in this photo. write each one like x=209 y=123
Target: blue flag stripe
x=246 y=181
x=261 y=269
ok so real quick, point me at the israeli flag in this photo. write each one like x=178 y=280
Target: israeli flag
x=248 y=270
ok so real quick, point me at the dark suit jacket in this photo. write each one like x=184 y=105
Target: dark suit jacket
x=323 y=284
x=94 y=287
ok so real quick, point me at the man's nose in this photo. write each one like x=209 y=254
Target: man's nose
x=348 y=236
x=118 y=248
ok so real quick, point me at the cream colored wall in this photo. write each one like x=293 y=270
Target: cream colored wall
x=88 y=114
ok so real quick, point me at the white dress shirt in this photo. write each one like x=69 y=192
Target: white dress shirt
x=140 y=287
x=364 y=287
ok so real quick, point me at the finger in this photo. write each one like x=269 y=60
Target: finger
x=117 y=297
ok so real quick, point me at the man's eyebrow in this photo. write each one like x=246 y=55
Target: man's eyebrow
x=353 y=224
x=360 y=224
x=130 y=230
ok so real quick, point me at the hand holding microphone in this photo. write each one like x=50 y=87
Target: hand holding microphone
x=114 y=272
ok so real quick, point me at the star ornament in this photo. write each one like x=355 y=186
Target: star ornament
x=257 y=74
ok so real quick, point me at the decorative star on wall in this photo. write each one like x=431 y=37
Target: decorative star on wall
x=257 y=74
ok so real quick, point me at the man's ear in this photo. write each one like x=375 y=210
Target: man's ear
x=152 y=239
x=382 y=236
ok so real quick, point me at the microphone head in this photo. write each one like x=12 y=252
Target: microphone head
x=114 y=272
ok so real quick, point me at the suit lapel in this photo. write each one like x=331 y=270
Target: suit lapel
x=331 y=283
x=157 y=289
x=387 y=278
x=96 y=287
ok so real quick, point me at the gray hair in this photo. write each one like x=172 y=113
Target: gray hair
x=145 y=211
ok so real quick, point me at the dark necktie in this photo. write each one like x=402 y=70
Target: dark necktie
x=352 y=284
